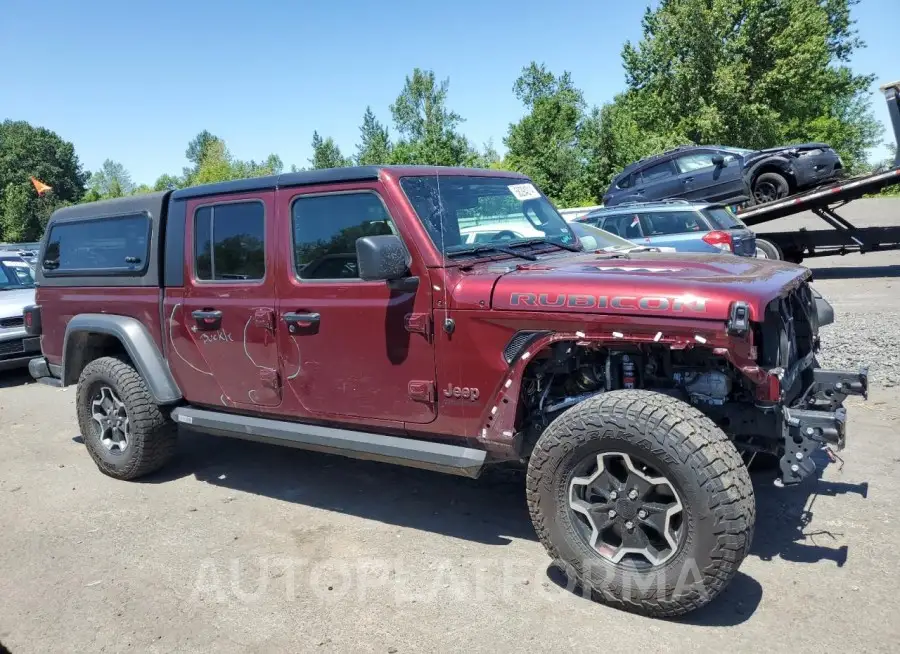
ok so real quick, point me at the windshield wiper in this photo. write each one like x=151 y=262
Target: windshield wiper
x=541 y=239
x=493 y=248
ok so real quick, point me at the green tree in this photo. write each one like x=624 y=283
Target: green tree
x=428 y=129
x=545 y=143
x=326 y=153
x=111 y=181
x=751 y=73
x=374 y=142
x=165 y=182
x=27 y=151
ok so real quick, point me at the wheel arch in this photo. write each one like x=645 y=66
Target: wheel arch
x=90 y=336
x=775 y=164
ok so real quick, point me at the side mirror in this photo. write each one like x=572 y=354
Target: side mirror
x=718 y=160
x=382 y=258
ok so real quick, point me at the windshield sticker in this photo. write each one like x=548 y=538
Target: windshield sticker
x=524 y=192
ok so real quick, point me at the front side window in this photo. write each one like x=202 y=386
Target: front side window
x=229 y=242
x=114 y=245
x=454 y=208
x=691 y=162
x=326 y=227
x=625 y=225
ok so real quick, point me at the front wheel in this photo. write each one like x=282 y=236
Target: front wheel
x=643 y=499
x=769 y=187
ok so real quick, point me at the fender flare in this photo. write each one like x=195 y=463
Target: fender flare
x=140 y=346
x=777 y=161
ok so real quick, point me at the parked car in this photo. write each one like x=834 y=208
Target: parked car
x=682 y=225
x=505 y=231
x=731 y=176
x=629 y=385
x=594 y=239
x=16 y=293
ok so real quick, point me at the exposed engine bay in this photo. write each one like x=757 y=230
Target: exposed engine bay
x=809 y=416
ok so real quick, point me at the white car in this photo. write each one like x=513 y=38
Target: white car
x=16 y=293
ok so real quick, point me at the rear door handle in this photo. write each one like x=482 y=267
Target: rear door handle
x=688 y=180
x=297 y=321
x=207 y=318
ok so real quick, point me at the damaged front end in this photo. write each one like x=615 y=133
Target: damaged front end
x=806 y=401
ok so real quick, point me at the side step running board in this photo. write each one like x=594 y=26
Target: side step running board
x=440 y=457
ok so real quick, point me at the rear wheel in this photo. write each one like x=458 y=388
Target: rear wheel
x=767 y=250
x=643 y=500
x=770 y=186
x=125 y=433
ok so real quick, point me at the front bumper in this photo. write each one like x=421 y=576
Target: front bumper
x=817 y=168
x=16 y=352
x=817 y=419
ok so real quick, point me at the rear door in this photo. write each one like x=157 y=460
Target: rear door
x=224 y=330
x=702 y=180
x=658 y=182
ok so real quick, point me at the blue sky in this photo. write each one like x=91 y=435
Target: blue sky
x=136 y=81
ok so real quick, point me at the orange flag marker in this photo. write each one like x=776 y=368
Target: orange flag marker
x=40 y=187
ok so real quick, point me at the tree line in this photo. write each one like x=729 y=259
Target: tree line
x=747 y=73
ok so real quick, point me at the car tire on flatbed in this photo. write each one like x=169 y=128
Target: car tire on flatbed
x=125 y=432
x=642 y=500
x=769 y=187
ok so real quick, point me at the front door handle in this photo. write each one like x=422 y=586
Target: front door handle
x=688 y=180
x=208 y=319
x=297 y=321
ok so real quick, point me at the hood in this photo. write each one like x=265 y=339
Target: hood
x=13 y=303
x=701 y=286
x=796 y=146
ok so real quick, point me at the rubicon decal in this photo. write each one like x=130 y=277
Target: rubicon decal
x=679 y=304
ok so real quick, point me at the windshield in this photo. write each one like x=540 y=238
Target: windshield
x=15 y=273
x=462 y=213
x=594 y=238
x=722 y=218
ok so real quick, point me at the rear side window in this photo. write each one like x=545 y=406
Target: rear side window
x=229 y=242
x=658 y=172
x=117 y=245
x=723 y=219
x=325 y=229
x=673 y=222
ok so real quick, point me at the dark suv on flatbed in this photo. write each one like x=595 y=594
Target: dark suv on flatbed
x=344 y=311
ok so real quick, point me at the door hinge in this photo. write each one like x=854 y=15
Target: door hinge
x=270 y=378
x=418 y=323
x=264 y=318
x=421 y=391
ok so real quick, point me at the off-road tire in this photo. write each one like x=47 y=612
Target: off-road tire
x=782 y=187
x=693 y=453
x=153 y=434
x=768 y=248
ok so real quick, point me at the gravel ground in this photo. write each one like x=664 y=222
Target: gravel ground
x=243 y=547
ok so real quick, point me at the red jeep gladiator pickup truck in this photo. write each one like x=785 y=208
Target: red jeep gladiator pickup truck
x=348 y=311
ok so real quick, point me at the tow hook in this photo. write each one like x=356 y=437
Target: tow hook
x=818 y=420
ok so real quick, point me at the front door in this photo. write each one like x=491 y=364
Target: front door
x=705 y=181
x=229 y=297
x=351 y=348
